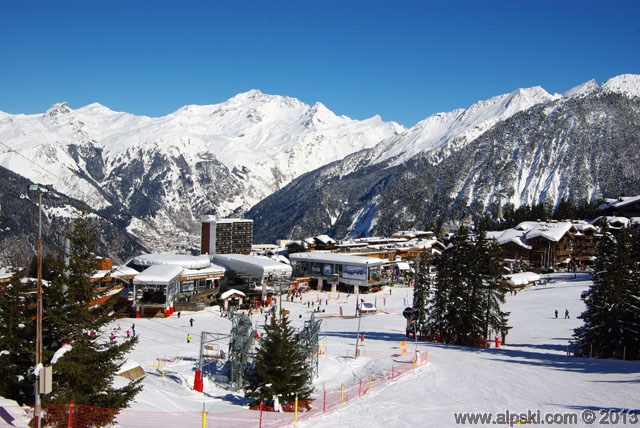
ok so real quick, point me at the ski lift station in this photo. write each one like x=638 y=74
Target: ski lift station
x=255 y=270
x=166 y=279
x=334 y=268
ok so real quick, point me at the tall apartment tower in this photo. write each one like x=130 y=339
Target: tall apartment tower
x=226 y=236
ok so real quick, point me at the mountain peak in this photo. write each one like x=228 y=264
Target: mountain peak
x=628 y=84
x=533 y=95
x=252 y=94
x=583 y=89
x=58 y=109
x=95 y=108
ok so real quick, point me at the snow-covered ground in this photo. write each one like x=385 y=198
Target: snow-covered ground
x=530 y=373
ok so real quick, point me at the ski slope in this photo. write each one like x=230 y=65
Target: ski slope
x=532 y=372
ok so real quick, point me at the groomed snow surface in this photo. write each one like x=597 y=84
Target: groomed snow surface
x=530 y=373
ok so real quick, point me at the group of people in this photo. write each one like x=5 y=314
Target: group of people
x=112 y=336
x=566 y=314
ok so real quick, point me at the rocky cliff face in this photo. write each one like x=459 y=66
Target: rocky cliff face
x=19 y=212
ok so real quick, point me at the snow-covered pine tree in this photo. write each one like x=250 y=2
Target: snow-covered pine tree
x=281 y=367
x=421 y=294
x=612 y=316
x=17 y=339
x=490 y=283
x=466 y=302
x=85 y=373
x=448 y=313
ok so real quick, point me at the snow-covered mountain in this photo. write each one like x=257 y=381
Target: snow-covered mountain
x=521 y=148
x=303 y=170
x=159 y=175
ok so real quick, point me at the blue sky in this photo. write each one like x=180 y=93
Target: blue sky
x=403 y=60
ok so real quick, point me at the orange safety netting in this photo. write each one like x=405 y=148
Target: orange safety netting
x=82 y=416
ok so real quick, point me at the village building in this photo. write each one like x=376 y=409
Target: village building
x=549 y=245
x=625 y=206
x=259 y=278
x=226 y=236
x=357 y=273
x=190 y=284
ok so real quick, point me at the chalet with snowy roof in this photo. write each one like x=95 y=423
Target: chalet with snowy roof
x=325 y=242
x=625 y=206
x=584 y=243
x=549 y=244
x=513 y=244
x=613 y=223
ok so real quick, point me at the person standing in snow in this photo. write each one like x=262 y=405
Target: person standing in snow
x=566 y=314
x=556 y=313
x=188 y=338
x=191 y=321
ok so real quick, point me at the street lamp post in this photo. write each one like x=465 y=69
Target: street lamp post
x=40 y=190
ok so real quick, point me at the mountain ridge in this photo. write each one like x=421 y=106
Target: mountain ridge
x=157 y=175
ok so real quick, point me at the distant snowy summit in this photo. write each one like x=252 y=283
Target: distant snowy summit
x=163 y=173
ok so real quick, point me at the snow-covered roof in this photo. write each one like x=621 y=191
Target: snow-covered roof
x=336 y=258
x=583 y=226
x=279 y=258
x=182 y=260
x=402 y=266
x=421 y=243
x=158 y=275
x=99 y=274
x=551 y=231
x=123 y=271
x=614 y=222
x=128 y=365
x=325 y=239
x=232 y=292
x=515 y=236
x=211 y=270
x=620 y=202
x=522 y=278
x=252 y=265
x=494 y=234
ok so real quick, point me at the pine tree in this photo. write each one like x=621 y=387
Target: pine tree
x=281 y=367
x=488 y=267
x=421 y=295
x=466 y=303
x=17 y=340
x=612 y=316
x=84 y=374
x=448 y=309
